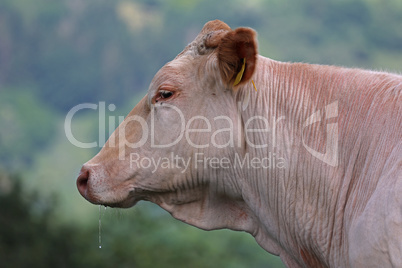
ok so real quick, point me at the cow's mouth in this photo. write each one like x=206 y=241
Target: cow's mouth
x=100 y=190
x=113 y=200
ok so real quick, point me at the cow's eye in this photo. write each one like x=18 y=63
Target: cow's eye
x=163 y=95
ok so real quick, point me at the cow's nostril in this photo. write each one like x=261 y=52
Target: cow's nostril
x=82 y=181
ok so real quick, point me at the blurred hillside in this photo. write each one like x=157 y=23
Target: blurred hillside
x=55 y=55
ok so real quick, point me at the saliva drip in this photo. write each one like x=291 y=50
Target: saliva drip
x=100 y=226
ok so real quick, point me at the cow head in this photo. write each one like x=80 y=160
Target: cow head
x=176 y=146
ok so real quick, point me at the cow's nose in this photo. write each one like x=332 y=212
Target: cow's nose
x=82 y=181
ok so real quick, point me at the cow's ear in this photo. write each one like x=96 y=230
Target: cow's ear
x=237 y=56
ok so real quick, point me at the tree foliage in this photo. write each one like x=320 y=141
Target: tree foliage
x=26 y=126
x=30 y=237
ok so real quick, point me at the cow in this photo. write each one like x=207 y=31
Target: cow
x=306 y=158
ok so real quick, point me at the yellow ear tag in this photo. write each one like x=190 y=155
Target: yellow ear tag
x=240 y=74
x=253 y=84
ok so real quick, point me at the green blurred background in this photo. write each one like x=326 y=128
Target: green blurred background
x=55 y=55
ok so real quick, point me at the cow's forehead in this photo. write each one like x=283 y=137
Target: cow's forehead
x=180 y=62
x=175 y=69
x=173 y=73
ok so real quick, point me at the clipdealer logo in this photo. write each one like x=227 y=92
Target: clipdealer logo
x=330 y=156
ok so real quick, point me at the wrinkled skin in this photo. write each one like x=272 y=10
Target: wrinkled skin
x=340 y=208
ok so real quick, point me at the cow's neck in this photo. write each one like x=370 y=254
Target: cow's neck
x=294 y=195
